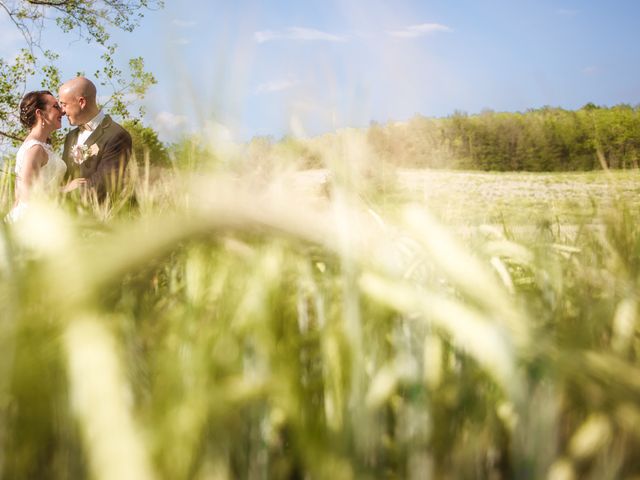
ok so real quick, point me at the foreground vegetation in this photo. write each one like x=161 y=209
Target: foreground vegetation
x=366 y=325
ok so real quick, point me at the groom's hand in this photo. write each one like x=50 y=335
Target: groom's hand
x=73 y=184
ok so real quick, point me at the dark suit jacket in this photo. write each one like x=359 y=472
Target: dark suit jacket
x=108 y=152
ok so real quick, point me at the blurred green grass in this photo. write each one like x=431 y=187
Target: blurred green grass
x=351 y=322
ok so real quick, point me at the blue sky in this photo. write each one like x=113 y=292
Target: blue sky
x=308 y=67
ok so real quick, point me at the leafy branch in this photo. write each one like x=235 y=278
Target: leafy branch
x=92 y=20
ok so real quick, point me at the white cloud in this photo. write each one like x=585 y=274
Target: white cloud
x=275 y=86
x=184 y=23
x=221 y=137
x=414 y=31
x=266 y=35
x=169 y=125
x=168 y=120
x=297 y=33
x=181 y=41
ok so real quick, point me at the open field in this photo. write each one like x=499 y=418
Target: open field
x=518 y=198
x=416 y=324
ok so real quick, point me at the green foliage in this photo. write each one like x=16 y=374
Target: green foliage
x=298 y=152
x=546 y=139
x=146 y=144
x=191 y=153
x=90 y=20
x=12 y=76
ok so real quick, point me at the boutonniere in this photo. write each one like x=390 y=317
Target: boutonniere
x=80 y=153
x=93 y=150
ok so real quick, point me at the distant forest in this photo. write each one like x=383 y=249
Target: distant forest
x=545 y=139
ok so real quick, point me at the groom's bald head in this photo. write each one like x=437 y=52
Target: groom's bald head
x=78 y=99
x=80 y=87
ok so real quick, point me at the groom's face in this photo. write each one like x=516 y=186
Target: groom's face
x=72 y=106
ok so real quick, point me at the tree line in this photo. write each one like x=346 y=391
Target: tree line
x=538 y=140
x=544 y=139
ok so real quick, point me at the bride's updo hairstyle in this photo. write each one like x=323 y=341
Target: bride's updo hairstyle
x=31 y=102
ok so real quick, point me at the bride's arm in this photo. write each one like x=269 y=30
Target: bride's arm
x=33 y=159
x=73 y=184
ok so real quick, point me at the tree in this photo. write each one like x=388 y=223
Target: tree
x=146 y=144
x=91 y=20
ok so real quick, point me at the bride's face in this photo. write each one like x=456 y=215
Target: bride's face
x=51 y=116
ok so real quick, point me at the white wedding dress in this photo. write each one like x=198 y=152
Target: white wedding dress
x=49 y=176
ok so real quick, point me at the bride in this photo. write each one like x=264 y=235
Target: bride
x=38 y=166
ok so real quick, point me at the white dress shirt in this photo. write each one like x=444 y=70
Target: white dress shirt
x=87 y=129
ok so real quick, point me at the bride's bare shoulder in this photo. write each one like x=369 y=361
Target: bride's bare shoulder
x=35 y=154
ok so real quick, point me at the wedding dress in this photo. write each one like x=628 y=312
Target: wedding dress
x=49 y=176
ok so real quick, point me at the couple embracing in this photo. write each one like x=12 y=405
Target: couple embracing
x=95 y=153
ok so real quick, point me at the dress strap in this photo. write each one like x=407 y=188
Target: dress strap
x=31 y=142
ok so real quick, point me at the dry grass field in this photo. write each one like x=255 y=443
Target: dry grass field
x=399 y=324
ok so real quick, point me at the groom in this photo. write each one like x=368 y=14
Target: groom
x=98 y=150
